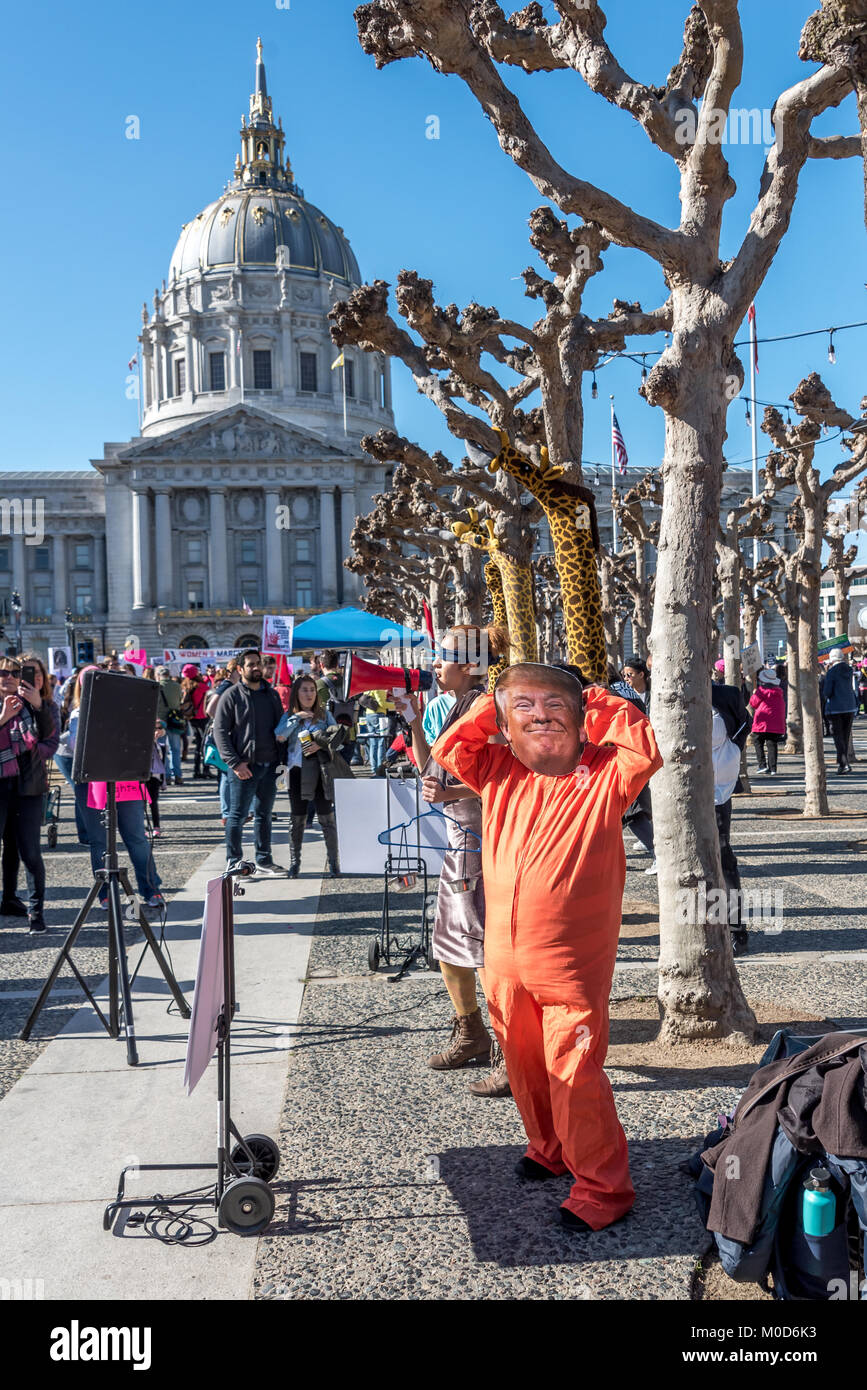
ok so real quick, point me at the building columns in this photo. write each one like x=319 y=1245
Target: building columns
x=165 y=585
x=61 y=596
x=218 y=567
x=273 y=553
x=327 y=546
x=100 y=595
x=19 y=571
x=141 y=552
x=347 y=520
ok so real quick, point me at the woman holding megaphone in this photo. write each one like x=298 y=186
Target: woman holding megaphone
x=461 y=666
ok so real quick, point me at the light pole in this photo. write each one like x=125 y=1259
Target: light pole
x=16 y=610
x=70 y=636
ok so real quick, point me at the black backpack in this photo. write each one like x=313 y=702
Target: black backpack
x=344 y=711
x=830 y=1267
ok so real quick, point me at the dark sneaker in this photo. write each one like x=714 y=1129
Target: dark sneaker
x=271 y=870
x=13 y=907
x=37 y=923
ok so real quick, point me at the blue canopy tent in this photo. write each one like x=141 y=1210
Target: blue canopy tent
x=349 y=628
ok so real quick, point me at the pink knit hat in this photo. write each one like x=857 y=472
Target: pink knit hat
x=719 y=666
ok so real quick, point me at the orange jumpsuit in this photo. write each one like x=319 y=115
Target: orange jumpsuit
x=554 y=870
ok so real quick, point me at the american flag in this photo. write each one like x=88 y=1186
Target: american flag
x=133 y=362
x=619 y=447
x=246 y=607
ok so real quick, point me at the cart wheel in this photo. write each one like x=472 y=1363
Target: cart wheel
x=373 y=954
x=246 y=1206
x=432 y=962
x=51 y=836
x=266 y=1157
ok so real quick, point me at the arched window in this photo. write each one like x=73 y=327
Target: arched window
x=248 y=639
x=194 y=641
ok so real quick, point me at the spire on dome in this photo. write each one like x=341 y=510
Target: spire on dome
x=261 y=161
x=261 y=85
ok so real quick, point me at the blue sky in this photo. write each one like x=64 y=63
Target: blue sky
x=91 y=217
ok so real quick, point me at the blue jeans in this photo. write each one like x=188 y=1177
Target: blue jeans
x=64 y=762
x=376 y=743
x=257 y=791
x=224 y=794
x=173 y=762
x=131 y=828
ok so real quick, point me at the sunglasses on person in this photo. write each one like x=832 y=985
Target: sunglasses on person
x=7 y=671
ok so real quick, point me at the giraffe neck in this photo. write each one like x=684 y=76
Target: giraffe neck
x=581 y=593
x=518 y=595
x=501 y=618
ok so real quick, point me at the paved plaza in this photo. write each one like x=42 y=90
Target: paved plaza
x=394 y=1181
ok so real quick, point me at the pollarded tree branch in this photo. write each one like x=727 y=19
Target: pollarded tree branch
x=441 y=31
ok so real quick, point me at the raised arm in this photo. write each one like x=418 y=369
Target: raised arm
x=464 y=750
x=609 y=719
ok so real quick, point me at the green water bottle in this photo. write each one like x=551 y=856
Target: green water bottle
x=819 y=1206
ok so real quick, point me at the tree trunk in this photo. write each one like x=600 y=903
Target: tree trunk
x=794 y=721
x=815 y=783
x=699 y=990
x=641 y=612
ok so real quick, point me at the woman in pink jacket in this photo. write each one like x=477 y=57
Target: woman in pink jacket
x=769 y=720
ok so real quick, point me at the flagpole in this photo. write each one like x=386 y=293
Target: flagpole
x=140 y=356
x=241 y=356
x=613 y=487
x=343 y=374
x=754 y=425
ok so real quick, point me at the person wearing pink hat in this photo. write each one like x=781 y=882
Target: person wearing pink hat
x=718 y=674
x=169 y=711
x=194 y=693
x=769 y=720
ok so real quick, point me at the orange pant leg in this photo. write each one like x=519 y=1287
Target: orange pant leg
x=593 y=1145
x=516 y=1018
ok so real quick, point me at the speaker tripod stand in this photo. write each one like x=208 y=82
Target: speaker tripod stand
x=120 y=1017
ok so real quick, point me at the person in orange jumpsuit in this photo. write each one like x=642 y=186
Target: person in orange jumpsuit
x=554 y=869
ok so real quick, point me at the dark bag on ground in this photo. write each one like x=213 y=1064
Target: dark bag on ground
x=803 y=1266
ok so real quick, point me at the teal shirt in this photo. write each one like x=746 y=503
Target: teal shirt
x=436 y=712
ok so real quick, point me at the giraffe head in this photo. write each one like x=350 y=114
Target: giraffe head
x=477 y=533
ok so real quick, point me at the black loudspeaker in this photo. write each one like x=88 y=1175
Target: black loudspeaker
x=84 y=651
x=114 y=741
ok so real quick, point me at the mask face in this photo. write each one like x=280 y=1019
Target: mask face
x=542 y=728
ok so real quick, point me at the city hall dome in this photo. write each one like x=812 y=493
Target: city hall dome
x=262 y=220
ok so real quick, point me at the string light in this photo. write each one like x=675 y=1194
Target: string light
x=832 y=354
x=749 y=417
x=594 y=389
x=643 y=370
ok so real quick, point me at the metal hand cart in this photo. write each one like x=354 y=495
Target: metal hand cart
x=405 y=868
x=241 y=1195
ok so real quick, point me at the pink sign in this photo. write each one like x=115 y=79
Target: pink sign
x=97 y=793
x=208 y=996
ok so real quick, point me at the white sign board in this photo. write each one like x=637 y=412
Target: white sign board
x=277 y=633
x=366 y=808
x=60 y=660
x=751 y=659
x=199 y=656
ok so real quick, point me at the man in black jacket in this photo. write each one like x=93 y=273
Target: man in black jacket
x=244 y=726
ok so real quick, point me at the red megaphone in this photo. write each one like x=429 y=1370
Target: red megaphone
x=360 y=675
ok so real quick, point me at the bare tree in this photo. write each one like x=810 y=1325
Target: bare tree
x=792 y=462
x=693 y=381
x=640 y=531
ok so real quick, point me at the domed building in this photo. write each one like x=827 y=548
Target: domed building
x=243 y=486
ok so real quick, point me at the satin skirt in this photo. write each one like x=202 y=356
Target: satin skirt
x=459 y=928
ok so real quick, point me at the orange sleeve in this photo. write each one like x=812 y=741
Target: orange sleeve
x=463 y=749
x=609 y=719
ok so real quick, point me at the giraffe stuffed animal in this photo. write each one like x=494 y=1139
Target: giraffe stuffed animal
x=571 y=517
x=517 y=584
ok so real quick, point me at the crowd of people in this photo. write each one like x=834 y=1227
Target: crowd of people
x=540 y=779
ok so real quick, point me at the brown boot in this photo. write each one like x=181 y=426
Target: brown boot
x=494 y=1086
x=470 y=1038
